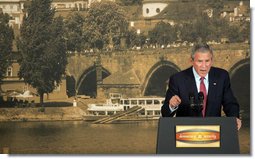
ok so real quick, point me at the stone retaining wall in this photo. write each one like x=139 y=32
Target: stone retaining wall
x=34 y=114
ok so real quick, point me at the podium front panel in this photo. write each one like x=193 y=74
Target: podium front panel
x=224 y=130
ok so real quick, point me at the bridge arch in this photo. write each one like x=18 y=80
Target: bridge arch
x=87 y=83
x=159 y=73
x=240 y=81
x=238 y=65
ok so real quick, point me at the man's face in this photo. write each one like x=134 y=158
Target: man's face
x=202 y=63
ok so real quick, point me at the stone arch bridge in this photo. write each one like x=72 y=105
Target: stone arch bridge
x=143 y=72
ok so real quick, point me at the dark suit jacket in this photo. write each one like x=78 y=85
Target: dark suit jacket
x=219 y=94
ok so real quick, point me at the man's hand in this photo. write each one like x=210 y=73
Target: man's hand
x=239 y=123
x=174 y=101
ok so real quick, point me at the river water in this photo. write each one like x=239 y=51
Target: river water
x=81 y=137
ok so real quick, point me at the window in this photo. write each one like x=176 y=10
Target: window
x=158 y=10
x=126 y=101
x=9 y=71
x=141 y=102
x=132 y=24
x=149 y=112
x=156 y=102
x=133 y=102
x=148 y=101
x=101 y=113
x=157 y=112
x=147 y=10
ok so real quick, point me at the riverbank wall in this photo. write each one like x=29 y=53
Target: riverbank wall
x=57 y=114
x=41 y=114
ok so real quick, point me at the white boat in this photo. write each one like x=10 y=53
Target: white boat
x=149 y=106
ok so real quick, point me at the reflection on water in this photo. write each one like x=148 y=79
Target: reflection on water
x=79 y=137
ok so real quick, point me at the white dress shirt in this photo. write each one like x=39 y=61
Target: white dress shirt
x=197 y=79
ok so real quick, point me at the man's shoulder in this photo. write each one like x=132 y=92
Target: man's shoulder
x=218 y=73
x=219 y=70
x=183 y=73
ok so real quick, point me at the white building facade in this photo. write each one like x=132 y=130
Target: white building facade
x=60 y=5
x=70 y=4
x=154 y=7
x=15 y=8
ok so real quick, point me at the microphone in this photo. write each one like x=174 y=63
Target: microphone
x=192 y=100
x=201 y=99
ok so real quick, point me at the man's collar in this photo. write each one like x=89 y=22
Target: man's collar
x=196 y=74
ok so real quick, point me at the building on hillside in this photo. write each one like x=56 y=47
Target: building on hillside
x=154 y=7
x=68 y=5
x=236 y=13
x=152 y=11
x=15 y=8
x=12 y=83
x=62 y=5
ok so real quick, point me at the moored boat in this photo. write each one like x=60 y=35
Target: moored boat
x=149 y=106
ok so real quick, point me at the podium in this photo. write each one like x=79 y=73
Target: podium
x=191 y=135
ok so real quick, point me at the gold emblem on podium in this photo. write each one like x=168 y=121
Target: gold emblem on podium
x=197 y=136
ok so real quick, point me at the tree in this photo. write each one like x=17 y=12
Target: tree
x=135 y=39
x=217 y=6
x=6 y=38
x=131 y=2
x=42 y=47
x=163 y=33
x=104 y=21
x=187 y=32
x=73 y=32
x=182 y=11
x=245 y=31
x=198 y=30
x=234 y=34
x=201 y=27
x=219 y=28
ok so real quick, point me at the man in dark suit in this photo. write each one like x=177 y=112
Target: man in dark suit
x=213 y=83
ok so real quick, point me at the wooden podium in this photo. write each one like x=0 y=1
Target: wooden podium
x=191 y=135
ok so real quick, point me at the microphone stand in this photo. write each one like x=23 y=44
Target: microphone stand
x=196 y=107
